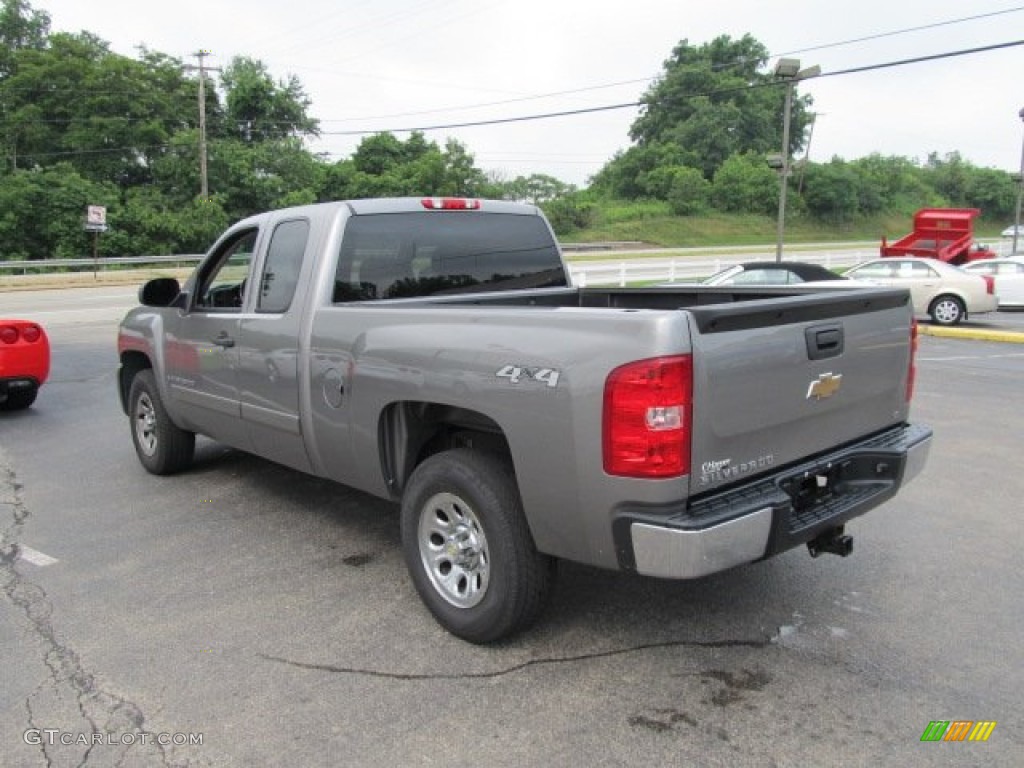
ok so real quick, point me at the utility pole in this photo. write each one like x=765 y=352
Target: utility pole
x=204 y=184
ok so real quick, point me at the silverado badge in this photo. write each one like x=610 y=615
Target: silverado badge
x=824 y=386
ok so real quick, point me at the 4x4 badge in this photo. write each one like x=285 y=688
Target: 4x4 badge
x=824 y=386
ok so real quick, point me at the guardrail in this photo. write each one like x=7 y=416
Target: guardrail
x=635 y=266
x=87 y=265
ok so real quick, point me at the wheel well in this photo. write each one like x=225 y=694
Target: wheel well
x=131 y=364
x=410 y=432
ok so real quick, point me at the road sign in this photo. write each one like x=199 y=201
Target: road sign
x=95 y=214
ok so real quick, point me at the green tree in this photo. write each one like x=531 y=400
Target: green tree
x=745 y=184
x=712 y=102
x=626 y=175
x=688 y=191
x=258 y=109
x=536 y=188
x=43 y=212
x=993 y=191
x=384 y=165
x=21 y=27
x=891 y=184
x=831 y=192
x=110 y=116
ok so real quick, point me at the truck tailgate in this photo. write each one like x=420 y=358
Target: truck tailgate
x=777 y=383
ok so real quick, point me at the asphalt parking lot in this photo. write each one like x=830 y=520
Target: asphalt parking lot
x=268 y=615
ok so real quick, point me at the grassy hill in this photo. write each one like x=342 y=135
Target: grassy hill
x=652 y=223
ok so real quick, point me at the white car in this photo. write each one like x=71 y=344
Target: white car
x=1008 y=274
x=1008 y=232
x=939 y=290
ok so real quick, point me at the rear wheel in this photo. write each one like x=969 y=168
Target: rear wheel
x=468 y=548
x=19 y=398
x=947 y=310
x=162 y=446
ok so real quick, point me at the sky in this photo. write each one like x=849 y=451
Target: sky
x=375 y=65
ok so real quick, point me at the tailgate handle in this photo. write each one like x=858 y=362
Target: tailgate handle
x=824 y=341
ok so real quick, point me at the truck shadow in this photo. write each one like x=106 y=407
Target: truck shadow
x=350 y=535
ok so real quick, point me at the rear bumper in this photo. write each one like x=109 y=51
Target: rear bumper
x=772 y=514
x=16 y=384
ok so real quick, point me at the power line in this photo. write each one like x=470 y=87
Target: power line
x=631 y=104
x=715 y=68
x=904 y=31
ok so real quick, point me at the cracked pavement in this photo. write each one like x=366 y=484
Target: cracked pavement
x=66 y=697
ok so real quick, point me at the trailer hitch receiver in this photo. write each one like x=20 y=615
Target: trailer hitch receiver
x=832 y=541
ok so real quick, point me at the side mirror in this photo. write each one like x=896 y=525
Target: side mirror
x=159 y=292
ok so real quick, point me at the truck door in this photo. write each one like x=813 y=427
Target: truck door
x=268 y=374
x=202 y=353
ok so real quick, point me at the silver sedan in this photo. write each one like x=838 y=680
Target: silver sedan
x=939 y=290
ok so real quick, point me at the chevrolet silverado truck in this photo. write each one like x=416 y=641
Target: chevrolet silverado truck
x=434 y=353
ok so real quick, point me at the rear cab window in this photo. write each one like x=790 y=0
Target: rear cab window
x=415 y=254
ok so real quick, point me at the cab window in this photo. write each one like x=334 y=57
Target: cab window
x=222 y=283
x=284 y=260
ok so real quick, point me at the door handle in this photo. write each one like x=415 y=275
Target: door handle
x=223 y=340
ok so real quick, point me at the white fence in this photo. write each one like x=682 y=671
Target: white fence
x=634 y=268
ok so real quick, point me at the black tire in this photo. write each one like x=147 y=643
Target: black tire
x=468 y=548
x=162 y=446
x=947 y=310
x=19 y=399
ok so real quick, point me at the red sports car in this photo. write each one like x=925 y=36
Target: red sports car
x=24 y=363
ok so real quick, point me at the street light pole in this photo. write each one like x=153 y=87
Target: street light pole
x=788 y=70
x=1020 y=192
x=780 y=227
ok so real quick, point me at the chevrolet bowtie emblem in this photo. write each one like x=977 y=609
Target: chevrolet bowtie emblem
x=824 y=386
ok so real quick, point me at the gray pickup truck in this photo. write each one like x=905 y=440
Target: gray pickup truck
x=434 y=353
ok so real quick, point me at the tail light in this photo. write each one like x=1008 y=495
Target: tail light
x=990 y=284
x=450 y=204
x=912 y=368
x=10 y=334
x=648 y=408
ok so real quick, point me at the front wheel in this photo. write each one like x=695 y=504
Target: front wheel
x=162 y=446
x=947 y=310
x=468 y=548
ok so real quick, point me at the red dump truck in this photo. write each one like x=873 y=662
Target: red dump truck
x=946 y=234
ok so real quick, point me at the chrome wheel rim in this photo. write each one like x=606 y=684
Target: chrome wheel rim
x=453 y=550
x=145 y=424
x=947 y=311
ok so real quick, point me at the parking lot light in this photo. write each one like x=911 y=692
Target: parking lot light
x=789 y=71
x=1020 y=193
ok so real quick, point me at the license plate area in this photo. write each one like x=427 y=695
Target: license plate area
x=828 y=490
x=813 y=486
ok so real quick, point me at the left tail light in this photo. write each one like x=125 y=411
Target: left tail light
x=648 y=409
